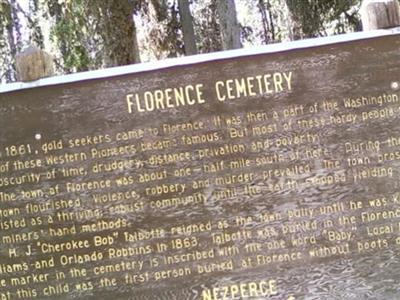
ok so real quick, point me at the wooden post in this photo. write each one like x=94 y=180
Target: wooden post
x=33 y=64
x=380 y=14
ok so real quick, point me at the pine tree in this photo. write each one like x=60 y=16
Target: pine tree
x=230 y=28
x=187 y=27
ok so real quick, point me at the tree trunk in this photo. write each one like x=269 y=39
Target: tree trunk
x=56 y=10
x=271 y=21
x=309 y=18
x=187 y=27
x=293 y=25
x=13 y=37
x=213 y=29
x=135 y=44
x=230 y=29
x=16 y=24
x=267 y=21
x=119 y=33
x=36 y=34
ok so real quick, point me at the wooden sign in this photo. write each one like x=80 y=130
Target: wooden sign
x=271 y=174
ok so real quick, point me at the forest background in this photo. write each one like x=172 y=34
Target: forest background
x=94 y=34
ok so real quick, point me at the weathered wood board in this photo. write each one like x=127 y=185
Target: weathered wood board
x=265 y=176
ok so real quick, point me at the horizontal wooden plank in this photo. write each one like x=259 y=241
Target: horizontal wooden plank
x=117 y=71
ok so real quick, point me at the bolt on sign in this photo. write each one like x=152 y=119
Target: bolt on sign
x=261 y=174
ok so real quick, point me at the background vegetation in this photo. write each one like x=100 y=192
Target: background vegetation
x=92 y=34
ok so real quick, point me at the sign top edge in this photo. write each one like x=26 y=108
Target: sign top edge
x=196 y=59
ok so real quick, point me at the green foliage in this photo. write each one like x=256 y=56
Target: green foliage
x=92 y=34
x=5 y=14
x=70 y=34
x=313 y=15
x=207 y=27
x=7 y=42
